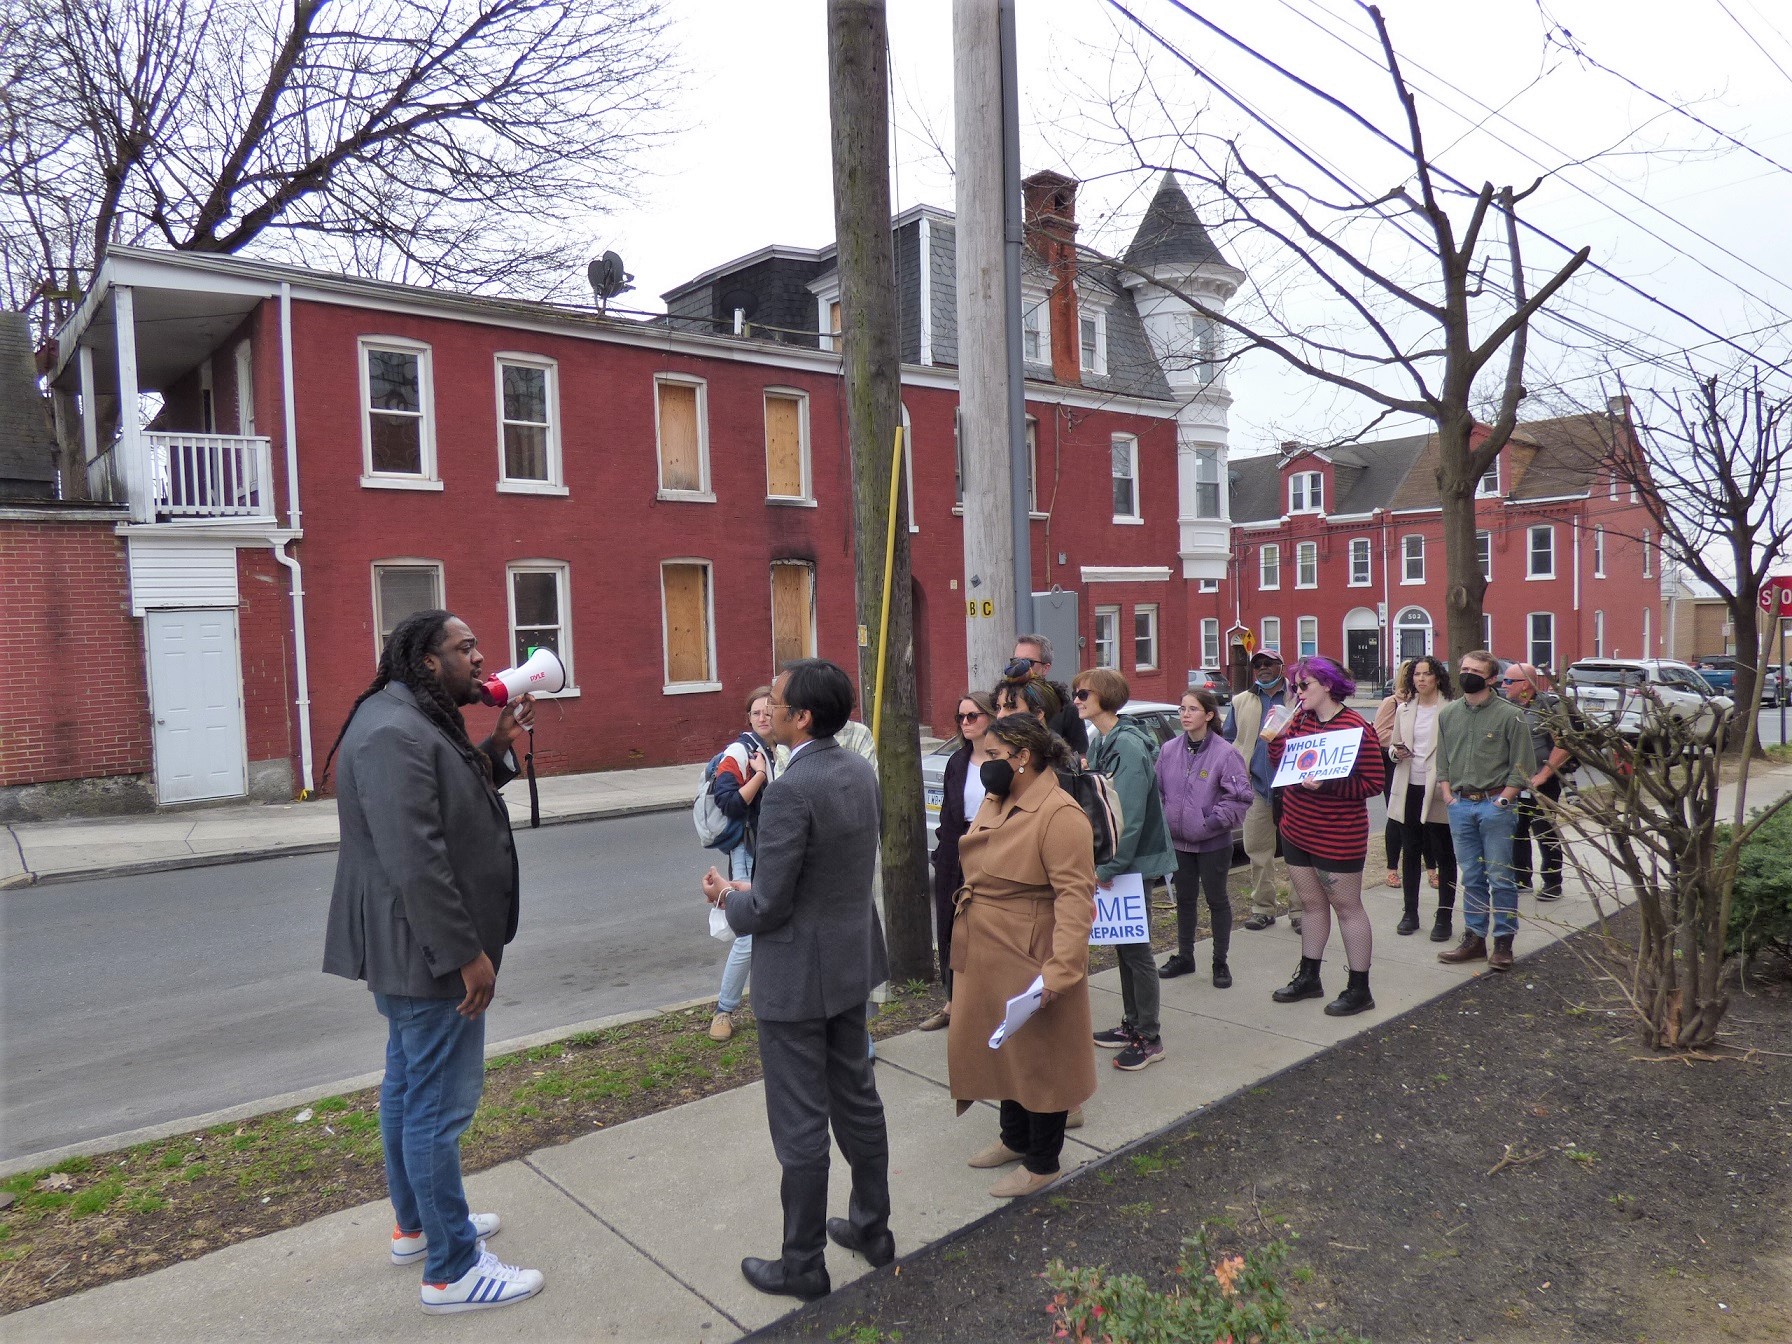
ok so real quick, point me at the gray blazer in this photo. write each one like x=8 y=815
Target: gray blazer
x=818 y=948
x=426 y=878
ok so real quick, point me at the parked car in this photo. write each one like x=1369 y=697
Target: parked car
x=1718 y=672
x=1214 y=681
x=1773 y=687
x=1620 y=690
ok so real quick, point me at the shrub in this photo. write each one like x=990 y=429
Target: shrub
x=1761 y=904
x=1232 y=1298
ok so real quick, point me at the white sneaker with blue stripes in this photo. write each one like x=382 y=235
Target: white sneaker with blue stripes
x=490 y=1283
x=410 y=1247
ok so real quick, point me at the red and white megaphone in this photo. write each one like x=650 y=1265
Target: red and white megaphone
x=543 y=674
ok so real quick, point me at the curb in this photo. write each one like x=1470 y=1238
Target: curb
x=29 y=878
x=250 y=1110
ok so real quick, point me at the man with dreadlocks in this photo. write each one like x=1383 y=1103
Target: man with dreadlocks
x=425 y=900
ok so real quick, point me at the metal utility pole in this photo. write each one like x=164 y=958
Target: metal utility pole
x=858 y=103
x=984 y=431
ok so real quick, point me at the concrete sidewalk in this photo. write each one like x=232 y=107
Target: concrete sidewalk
x=640 y=1229
x=50 y=851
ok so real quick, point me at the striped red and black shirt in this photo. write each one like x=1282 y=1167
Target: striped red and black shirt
x=1332 y=821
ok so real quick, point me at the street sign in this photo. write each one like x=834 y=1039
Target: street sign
x=1249 y=641
x=1781 y=584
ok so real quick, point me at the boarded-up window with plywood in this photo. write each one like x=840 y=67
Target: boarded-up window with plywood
x=681 y=437
x=793 y=612
x=784 y=474
x=684 y=592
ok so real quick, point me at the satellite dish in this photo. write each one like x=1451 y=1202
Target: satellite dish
x=608 y=278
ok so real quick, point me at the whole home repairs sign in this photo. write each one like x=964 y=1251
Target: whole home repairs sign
x=1122 y=915
x=1318 y=756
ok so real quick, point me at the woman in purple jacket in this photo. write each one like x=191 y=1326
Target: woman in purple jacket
x=1206 y=787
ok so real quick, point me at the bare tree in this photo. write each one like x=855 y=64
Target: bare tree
x=459 y=142
x=1410 y=338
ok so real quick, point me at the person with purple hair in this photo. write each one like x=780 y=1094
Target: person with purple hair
x=1325 y=836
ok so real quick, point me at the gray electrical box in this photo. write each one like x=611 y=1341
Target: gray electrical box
x=1055 y=617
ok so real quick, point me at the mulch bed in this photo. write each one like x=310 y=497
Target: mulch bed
x=1505 y=1163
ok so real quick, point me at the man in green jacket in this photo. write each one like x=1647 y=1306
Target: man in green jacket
x=1126 y=752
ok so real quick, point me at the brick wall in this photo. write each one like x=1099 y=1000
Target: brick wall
x=76 y=704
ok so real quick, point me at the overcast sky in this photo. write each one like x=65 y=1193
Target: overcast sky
x=750 y=165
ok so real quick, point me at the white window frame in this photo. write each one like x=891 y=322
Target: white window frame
x=668 y=686
x=562 y=573
x=1309 y=488
x=1484 y=553
x=1210 y=642
x=1269 y=567
x=1599 y=634
x=1303 y=552
x=705 y=493
x=1110 y=616
x=400 y=562
x=1269 y=633
x=1530 y=551
x=1407 y=556
x=1648 y=553
x=1036 y=304
x=1208 y=459
x=1032 y=437
x=1599 y=552
x=1368 y=557
x=908 y=467
x=555 y=484
x=1131 y=442
x=1149 y=611
x=1301 y=626
x=1486 y=629
x=1099 y=317
x=1207 y=585
x=1488 y=487
x=427 y=478
x=1530 y=639
x=824 y=300
x=806 y=499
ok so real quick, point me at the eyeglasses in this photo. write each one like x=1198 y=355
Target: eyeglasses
x=1080 y=695
x=776 y=704
x=972 y=717
x=1513 y=681
x=1300 y=685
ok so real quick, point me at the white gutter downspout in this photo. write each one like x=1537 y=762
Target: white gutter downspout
x=1578 y=644
x=1387 y=606
x=291 y=430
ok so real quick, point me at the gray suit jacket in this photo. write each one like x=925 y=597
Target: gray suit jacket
x=818 y=947
x=426 y=878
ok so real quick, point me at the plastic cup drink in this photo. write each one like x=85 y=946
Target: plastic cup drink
x=1276 y=720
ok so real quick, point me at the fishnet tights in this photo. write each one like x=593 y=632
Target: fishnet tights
x=1321 y=893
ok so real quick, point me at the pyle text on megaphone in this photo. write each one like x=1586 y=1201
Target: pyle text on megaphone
x=542 y=674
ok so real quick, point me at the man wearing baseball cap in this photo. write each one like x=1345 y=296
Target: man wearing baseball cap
x=1268 y=689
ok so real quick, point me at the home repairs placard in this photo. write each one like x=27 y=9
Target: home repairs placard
x=1318 y=756
x=1122 y=914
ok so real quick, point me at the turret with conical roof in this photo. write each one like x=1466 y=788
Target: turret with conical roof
x=1171 y=234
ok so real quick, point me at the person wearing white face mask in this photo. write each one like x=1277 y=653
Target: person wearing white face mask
x=1267 y=692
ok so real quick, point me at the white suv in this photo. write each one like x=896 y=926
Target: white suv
x=1621 y=690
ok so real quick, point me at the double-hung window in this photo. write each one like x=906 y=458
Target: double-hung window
x=1306 y=492
x=1599 y=552
x=1543 y=639
x=528 y=425
x=401 y=588
x=1125 y=458
x=397 y=415
x=1648 y=554
x=1036 y=329
x=1488 y=487
x=1272 y=633
x=1306 y=564
x=1092 y=342
x=1207 y=483
x=1361 y=564
x=1269 y=567
x=1412 y=559
x=1144 y=638
x=1484 y=553
x=1542 y=555
x=541 y=612
x=1210 y=643
x=1107 y=637
x=1307 y=633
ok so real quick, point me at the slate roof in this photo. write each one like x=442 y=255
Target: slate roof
x=27 y=443
x=1171 y=233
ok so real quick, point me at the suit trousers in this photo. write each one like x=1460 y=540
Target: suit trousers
x=1260 y=848
x=818 y=1071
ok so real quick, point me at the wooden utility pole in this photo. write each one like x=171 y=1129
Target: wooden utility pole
x=858 y=101
x=983 y=402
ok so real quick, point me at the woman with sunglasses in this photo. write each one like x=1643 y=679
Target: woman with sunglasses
x=961 y=796
x=1325 y=837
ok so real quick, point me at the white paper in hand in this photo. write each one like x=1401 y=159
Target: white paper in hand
x=1022 y=1006
x=719 y=926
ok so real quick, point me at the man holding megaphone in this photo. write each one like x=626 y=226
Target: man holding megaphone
x=425 y=900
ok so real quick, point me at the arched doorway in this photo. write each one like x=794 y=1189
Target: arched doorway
x=1362 y=646
x=1412 y=633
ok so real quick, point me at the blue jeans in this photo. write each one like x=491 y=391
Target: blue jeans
x=1482 y=835
x=435 y=1071
x=740 y=956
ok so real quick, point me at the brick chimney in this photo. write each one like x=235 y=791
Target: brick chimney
x=1049 y=211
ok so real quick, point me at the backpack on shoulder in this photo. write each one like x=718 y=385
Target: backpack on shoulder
x=1094 y=793
x=715 y=828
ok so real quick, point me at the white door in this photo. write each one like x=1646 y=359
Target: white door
x=195 y=696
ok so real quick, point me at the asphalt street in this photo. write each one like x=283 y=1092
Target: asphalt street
x=132 y=1001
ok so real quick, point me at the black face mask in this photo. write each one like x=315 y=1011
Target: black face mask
x=997 y=777
x=1473 y=682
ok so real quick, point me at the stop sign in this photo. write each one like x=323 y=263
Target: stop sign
x=1780 y=585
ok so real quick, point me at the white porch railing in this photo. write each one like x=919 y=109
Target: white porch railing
x=210 y=475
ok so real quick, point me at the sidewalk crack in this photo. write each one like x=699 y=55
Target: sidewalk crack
x=636 y=1246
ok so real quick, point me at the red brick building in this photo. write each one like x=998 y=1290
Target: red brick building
x=1341 y=552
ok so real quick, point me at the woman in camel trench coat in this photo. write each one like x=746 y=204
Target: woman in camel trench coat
x=1025 y=908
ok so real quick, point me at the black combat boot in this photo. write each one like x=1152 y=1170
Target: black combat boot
x=1354 y=999
x=1305 y=984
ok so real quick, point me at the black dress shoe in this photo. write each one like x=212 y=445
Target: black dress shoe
x=879 y=1250
x=1175 y=966
x=774 y=1276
